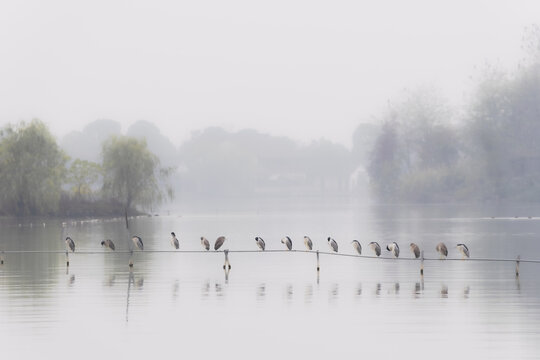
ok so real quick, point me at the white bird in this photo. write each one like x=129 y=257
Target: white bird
x=137 y=241
x=219 y=242
x=260 y=243
x=287 y=241
x=174 y=241
x=442 y=250
x=356 y=245
x=205 y=243
x=415 y=250
x=464 y=250
x=108 y=244
x=393 y=248
x=333 y=244
x=375 y=247
x=70 y=244
x=308 y=243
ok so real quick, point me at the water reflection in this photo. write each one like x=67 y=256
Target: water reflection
x=378 y=289
x=109 y=280
x=417 y=290
x=219 y=290
x=359 y=289
x=444 y=291
x=288 y=292
x=175 y=288
x=71 y=280
x=308 y=294
x=261 y=291
x=205 y=290
x=333 y=293
x=466 y=292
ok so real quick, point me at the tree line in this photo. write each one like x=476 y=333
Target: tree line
x=38 y=178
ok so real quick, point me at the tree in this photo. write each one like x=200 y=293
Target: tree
x=132 y=174
x=32 y=169
x=83 y=174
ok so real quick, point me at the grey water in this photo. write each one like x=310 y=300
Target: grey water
x=273 y=305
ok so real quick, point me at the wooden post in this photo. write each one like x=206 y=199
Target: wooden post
x=517 y=265
x=422 y=263
x=227 y=264
x=318 y=266
x=67 y=258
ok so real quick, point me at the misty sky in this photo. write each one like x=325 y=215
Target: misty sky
x=306 y=69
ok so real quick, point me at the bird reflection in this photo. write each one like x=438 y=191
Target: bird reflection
x=109 y=281
x=444 y=291
x=175 y=288
x=289 y=292
x=308 y=294
x=466 y=292
x=334 y=292
x=378 y=289
x=417 y=290
x=261 y=291
x=71 y=280
x=219 y=290
x=139 y=283
x=359 y=289
x=205 y=291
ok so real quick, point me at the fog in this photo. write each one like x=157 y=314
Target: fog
x=300 y=69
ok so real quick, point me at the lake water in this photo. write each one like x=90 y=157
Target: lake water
x=273 y=305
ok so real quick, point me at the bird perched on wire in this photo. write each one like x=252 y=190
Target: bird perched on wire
x=108 y=244
x=219 y=242
x=356 y=245
x=70 y=244
x=393 y=248
x=375 y=247
x=308 y=243
x=333 y=244
x=464 y=250
x=442 y=250
x=287 y=241
x=205 y=243
x=260 y=243
x=415 y=250
x=137 y=241
x=174 y=241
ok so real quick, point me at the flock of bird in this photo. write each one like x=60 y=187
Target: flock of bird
x=393 y=247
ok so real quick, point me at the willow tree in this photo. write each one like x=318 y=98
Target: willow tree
x=132 y=174
x=32 y=169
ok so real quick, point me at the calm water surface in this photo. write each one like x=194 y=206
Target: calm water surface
x=275 y=304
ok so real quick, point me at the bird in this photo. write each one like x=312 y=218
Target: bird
x=70 y=244
x=174 y=241
x=219 y=242
x=464 y=250
x=415 y=249
x=205 y=243
x=333 y=244
x=442 y=250
x=287 y=241
x=376 y=247
x=356 y=245
x=138 y=242
x=308 y=243
x=394 y=248
x=108 y=244
x=260 y=242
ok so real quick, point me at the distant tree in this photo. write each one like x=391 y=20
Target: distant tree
x=384 y=167
x=132 y=174
x=82 y=175
x=32 y=169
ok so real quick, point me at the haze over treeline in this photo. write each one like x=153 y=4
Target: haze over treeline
x=422 y=150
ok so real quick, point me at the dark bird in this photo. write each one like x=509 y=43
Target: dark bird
x=415 y=250
x=356 y=245
x=393 y=248
x=219 y=242
x=287 y=241
x=70 y=244
x=333 y=244
x=464 y=250
x=174 y=241
x=308 y=243
x=375 y=247
x=138 y=242
x=260 y=243
x=205 y=243
x=108 y=244
x=442 y=250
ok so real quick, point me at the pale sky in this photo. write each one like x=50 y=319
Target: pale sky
x=305 y=69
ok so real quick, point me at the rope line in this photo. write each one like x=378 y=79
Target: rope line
x=84 y=252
